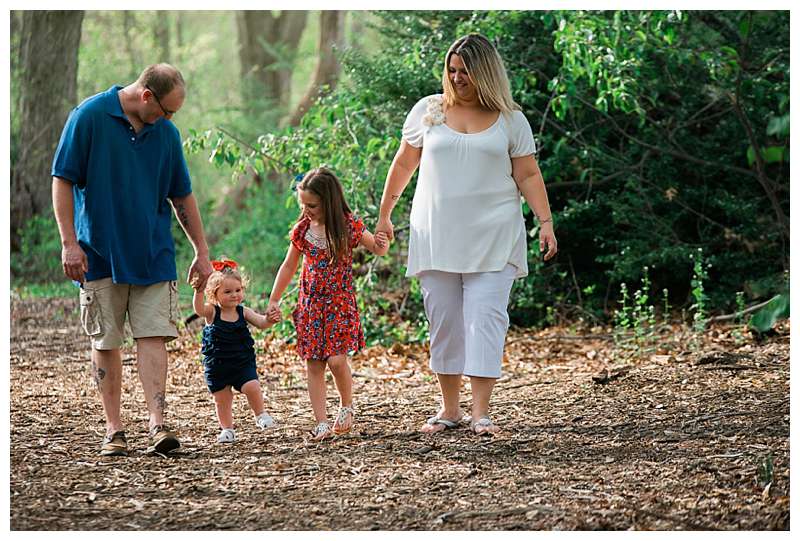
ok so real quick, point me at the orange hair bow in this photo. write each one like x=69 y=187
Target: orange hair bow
x=224 y=264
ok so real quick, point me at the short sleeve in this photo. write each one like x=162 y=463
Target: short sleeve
x=357 y=228
x=521 y=138
x=180 y=181
x=72 y=154
x=298 y=234
x=413 y=128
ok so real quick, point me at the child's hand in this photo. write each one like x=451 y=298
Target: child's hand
x=274 y=312
x=381 y=239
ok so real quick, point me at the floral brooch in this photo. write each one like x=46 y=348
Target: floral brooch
x=435 y=114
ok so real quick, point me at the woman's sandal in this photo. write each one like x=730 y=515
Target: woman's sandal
x=446 y=423
x=482 y=426
x=341 y=417
x=321 y=431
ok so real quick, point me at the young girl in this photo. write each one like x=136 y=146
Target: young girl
x=326 y=317
x=229 y=359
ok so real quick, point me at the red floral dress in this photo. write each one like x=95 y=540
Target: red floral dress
x=326 y=317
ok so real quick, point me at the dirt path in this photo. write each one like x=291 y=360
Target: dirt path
x=677 y=442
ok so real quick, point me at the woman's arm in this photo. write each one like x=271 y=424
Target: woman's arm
x=404 y=164
x=529 y=180
x=201 y=308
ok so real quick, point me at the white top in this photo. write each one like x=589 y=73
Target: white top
x=466 y=215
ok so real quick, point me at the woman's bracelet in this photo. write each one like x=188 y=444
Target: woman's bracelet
x=542 y=222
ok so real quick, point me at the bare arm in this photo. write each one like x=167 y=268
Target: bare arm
x=73 y=258
x=282 y=280
x=529 y=180
x=256 y=319
x=201 y=308
x=378 y=243
x=189 y=217
x=405 y=162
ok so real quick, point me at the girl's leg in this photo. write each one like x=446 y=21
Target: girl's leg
x=316 y=388
x=343 y=378
x=252 y=390
x=223 y=400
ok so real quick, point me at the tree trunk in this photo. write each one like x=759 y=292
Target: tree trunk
x=267 y=49
x=161 y=35
x=49 y=68
x=128 y=24
x=326 y=74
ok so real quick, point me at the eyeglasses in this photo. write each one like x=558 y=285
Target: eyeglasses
x=158 y=101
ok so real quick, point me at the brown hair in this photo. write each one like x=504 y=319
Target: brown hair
x=161 y=79
x=323 y=183
x=485 y=69
x=216 y=278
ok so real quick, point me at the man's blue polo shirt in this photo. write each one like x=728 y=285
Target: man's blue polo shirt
x=122 y=181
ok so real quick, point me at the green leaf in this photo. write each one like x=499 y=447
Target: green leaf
x=778 y=125
x=773 y=154
x=765 y=319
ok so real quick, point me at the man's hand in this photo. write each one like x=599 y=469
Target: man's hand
x=74 y=262
x=199 y=271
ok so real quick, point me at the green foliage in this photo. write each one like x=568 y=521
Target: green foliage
x=655 y=130
x=765 y=319
x=39 y=257
x=699 y=280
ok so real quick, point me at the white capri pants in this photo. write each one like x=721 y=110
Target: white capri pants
x=468 y=317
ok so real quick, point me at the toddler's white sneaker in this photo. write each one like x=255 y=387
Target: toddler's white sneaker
x=264 y=421
x=228 y=435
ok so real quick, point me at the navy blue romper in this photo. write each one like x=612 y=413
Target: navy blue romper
x=228 y=354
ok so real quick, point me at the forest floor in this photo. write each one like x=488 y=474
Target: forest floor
x=684 y=437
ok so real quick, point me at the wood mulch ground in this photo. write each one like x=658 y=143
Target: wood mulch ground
x=676 y=439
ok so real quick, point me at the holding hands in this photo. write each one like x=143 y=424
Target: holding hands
x=273 y=312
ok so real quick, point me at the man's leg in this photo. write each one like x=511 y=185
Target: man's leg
x=151 y=355
x=107 y=374
x=152 y=311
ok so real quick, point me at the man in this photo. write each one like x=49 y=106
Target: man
x=118 y=166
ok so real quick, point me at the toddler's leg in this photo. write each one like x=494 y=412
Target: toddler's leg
x=223 y=400
x=316 y=388
x=252 y=390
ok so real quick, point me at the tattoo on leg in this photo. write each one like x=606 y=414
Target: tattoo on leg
x=395 y=197
x=98 y=374
x=161 y=402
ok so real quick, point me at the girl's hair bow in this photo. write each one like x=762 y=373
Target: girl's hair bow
x=224 y=264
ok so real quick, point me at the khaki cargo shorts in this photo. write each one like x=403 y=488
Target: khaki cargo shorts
x=152 y=311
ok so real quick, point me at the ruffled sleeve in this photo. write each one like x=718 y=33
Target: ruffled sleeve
x=413 y=127
x=357 y=228
x=521 y=138
x=299 y=233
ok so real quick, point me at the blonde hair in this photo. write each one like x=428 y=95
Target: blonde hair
x=485 y=69
x=217 y=277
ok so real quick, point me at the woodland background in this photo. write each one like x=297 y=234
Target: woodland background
x=637 y=394
x=663 y=139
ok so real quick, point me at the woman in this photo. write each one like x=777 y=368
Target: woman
x=467 y=242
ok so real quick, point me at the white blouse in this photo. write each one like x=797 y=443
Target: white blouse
x=466 y=215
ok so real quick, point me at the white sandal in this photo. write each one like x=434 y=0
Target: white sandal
x=321 y=431
x=341 y=417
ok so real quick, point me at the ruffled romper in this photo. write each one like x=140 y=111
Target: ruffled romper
x=228 y=354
